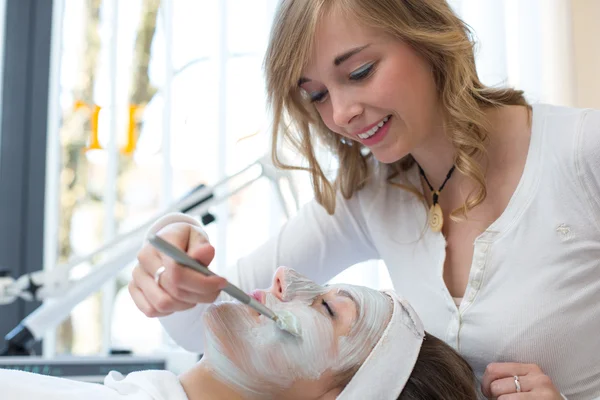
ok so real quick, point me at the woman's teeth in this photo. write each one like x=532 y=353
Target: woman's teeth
x=374 y=129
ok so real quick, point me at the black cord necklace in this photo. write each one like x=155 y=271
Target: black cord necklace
x=436 y=216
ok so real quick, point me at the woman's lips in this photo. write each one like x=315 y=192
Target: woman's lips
x=258 y=295
x=379 y=135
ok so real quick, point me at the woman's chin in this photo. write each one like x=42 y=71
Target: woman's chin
x=394 y=150
x=387 y=157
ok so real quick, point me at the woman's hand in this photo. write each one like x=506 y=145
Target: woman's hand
x=178 y=287
x=502 y=380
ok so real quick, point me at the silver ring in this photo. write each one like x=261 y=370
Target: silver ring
x=158 y=273
x=517 y=384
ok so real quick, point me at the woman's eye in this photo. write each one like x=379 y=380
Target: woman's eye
x=318 y=97
x=329 y=310
x=362 y=72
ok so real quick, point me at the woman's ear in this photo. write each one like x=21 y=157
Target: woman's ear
x=332 y=394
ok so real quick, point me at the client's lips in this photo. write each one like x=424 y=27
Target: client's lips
x=258 y=295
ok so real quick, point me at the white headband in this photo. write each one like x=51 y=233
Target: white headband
x=385 y=372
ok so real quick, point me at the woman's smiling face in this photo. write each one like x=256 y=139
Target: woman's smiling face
x=371 y=87
x=250 y=352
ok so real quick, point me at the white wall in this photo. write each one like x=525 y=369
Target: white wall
x=586 y=35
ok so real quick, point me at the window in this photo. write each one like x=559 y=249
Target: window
x=156 y=97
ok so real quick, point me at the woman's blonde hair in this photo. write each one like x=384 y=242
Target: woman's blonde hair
x=434 y=31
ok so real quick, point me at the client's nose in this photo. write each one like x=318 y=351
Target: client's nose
x=278 y=282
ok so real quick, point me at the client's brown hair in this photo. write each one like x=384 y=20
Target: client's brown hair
x=440 y=373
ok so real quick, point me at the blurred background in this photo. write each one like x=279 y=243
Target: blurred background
x=112 y=110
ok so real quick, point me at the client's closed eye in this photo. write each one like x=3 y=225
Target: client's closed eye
x=339 y=306
x=328 y=308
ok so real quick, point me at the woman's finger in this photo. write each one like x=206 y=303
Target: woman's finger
x=495 y=371
x=190 y=280
x=504 y=386
x=159 y=299
x=178 y=235
x=141 y=302
x=182 y=278
x=207 y=292
x=518 y=396
x=199 y=248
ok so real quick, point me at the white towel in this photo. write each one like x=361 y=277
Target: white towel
x=142 y=385
x=385 y=372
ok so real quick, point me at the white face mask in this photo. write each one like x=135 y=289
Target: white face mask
x=250 y=353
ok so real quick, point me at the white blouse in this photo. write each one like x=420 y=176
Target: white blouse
x=533 y=294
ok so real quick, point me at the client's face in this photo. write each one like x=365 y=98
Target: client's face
x=340 y=325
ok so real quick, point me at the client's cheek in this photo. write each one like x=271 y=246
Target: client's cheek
x=315 y=351
x=222 y=322
x=226 y=313
x=225 y=321
x=261 y=355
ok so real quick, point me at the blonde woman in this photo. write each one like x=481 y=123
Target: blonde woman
x=484 y=208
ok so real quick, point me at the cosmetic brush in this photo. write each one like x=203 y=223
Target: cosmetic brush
x=285 y=320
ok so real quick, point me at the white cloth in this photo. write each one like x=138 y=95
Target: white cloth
x=142 y=385
x=399 y=347
x=533 y=293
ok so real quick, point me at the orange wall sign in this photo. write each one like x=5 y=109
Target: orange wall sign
x=94 y=114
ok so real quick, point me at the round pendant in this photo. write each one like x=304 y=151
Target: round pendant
x=436 y=218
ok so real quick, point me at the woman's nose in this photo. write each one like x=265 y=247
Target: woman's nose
x=344 y=110
x=278 y=283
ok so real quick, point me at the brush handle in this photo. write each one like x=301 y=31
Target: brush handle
x=182 y=258
x=264 y=310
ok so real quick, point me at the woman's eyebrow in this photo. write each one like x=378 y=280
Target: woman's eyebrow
x=338 y=60
x=343 y=57
x=302 y=80
x=348 y=295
